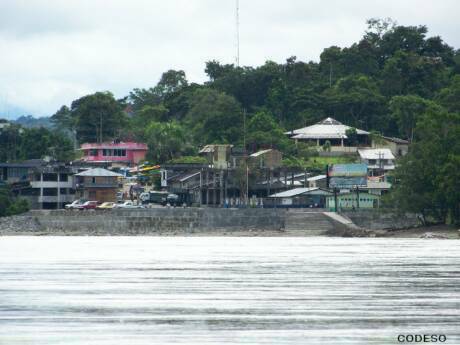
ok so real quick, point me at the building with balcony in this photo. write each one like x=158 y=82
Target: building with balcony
x=98 y=185
x=117 y=153
x=379 y=161
x=331 y=137
x=45 y=185
x=332 y=134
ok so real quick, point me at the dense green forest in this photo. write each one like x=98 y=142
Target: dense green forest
x=395 y=81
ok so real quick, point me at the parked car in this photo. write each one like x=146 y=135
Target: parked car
x=106 y=206
x=75 y=204
x=128 y=204
x=89 y=205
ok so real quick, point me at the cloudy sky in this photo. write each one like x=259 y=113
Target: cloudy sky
x=54 y=51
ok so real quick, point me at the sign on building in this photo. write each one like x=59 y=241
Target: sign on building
x=347 y=176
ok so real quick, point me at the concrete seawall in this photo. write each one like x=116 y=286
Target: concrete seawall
x=145 y=221
x=173 y=221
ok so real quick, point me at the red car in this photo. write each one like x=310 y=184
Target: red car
x=89 y=205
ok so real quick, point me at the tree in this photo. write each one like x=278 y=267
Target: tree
x=166 y=140
x=352 y=135
x=63 y=119
x=214 y=117
x=9 y=205
x=427 y=177
x=146 y=115
x=170 y=82
x=356 y=100
x=449 y=97
x=406 y=110
x=98 y=117
x=263 y=132
x=17 y=144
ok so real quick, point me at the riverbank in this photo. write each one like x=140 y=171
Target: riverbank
x=196 y=223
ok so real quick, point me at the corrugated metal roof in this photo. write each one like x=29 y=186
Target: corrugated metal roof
x=376 y=154
x=397 y=140
x=316 y=178
x=329 y=128
x=258 y=153
x=296 y=191
x=98 y=172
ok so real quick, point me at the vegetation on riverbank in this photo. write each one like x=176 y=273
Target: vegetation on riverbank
x=396 y=81
x=9 y=205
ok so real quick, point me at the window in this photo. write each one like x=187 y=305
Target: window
x=93 y=152
x=50 y=191
x=119 y=152
x=49 y=177
x=63 y=177
x=63 y=191
x=107 y=152
x=93 y=180
x=372 y=161
x=18 y=172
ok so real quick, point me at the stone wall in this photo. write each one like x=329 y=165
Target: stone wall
x=381 y=220
x=159 y=220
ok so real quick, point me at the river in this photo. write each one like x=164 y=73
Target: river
x=224 y=290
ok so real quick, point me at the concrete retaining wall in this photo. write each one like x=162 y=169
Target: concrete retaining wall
x=380 y=220
x=159 y=220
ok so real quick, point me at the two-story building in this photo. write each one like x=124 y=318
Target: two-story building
x=45 y=185
x=98 y=185
x=117 y=153
x=379 y=161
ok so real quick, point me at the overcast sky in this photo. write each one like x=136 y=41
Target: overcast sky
x=54 y=51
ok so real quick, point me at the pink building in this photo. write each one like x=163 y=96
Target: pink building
x=129 y=153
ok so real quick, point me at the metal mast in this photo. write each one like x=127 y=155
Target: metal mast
x=237 y=19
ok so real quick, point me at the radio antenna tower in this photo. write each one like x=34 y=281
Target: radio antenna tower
x=237 y=19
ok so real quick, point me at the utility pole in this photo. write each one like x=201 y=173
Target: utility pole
x=330 y=74
x=244 y=129
x=100 y=128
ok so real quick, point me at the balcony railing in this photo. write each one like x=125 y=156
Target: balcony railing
x=97 y=185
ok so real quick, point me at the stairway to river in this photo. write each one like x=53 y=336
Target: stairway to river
x=307 y=223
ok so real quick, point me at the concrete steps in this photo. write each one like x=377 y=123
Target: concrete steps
x=307 y=223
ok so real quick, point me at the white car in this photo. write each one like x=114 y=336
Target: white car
x=128 y=204
x=76 y=204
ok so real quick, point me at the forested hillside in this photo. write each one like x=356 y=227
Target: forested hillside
x=396 y=81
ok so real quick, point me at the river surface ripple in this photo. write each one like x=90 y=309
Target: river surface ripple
x=227 y=290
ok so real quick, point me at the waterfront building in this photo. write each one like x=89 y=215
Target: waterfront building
x=117 y=152
x=98 y=184
x=45 y=185
x=298 y=197
x=353 y=201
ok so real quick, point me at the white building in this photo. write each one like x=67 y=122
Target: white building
x=333 y=132
x=379 y=161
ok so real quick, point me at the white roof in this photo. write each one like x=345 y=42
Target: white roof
x=329 y=128
x=378 y=185
x=296 y=191
x=258 y=153
x=98 y=172
x=376 y=154
x=316 y=178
